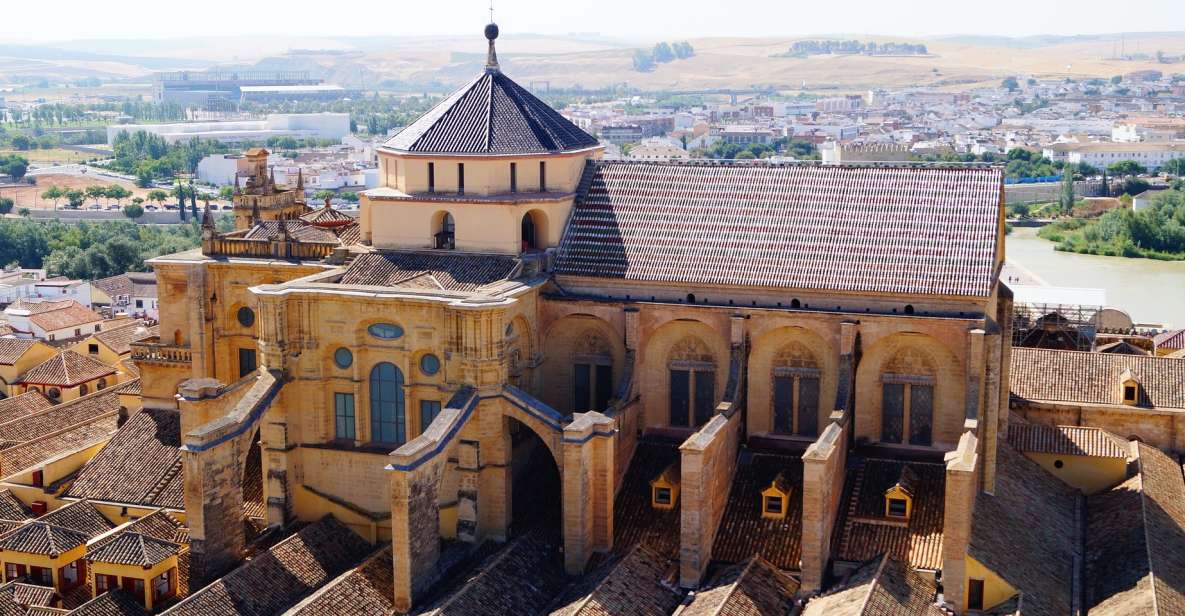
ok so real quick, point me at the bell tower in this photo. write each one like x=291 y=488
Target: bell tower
x=260 y=199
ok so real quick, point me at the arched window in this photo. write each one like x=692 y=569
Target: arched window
x=692 y=380
x=528 y=229
x=83 y=390
x=796 y=391
x=388 y=419
x=102 y=384
x=908 y=384
x=592 y=372
x=446 y=233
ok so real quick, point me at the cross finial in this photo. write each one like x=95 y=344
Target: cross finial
x=491 y=11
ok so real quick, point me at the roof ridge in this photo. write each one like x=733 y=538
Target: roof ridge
x=1144 y=520
x=733 y=587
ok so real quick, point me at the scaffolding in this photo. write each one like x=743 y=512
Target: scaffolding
x=1070 y=327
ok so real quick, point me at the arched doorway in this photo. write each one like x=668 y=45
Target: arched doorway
x=254 y=508
x=530 y=237
x=446 y=231
x=536 y=495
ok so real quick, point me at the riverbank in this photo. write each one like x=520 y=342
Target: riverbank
x=1095 y=237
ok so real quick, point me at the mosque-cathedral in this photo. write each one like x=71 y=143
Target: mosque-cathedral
x=526 y=380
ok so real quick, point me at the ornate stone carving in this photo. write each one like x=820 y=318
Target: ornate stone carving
x=912 y=362
x=592 y=342
x=795 y=355
x=691 y=348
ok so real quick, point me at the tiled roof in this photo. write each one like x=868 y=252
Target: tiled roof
x=11 y=349
x=38 y=306
x=491 y=115
x=743 y=532
x=880 y=587
x=81 y=516
x=140 y=465
x=23 y=405
x=633 y=584
x=522 y=578
x=368 y=589
x=754 y=588
x=114 y=286
x=914 y=230
x=299 y=230
x=1029 y=508
x=327 y=217
x=11 y=507
x=1093 y=378
x=73 y=315
x=41 y=538
x=131 y=387
x=1136 y=541
x=66 y=369
x=1173 y=340
x=867 y=533
x=33 y=595
x=32 y=453
x=60 y=417
x=277 y=579
x=1067 y=440
x=431 y=270
x=111 y=603
x=120 y=339
x=634 y=520
x=129 y=548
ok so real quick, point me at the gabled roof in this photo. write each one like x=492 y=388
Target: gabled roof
x=279 y=578
x=865 y=532
x=366 y=589
x=29 y=454
x=880 y=587
x=778 y=541
x=1173 y=339
x=11 y=507
x=491 y=115
x=752 y=588
x=120 y=339
x=41 y=538
x=907 y=229
x=111 y=603
x=81 y=516
x=635 y=583
x=299 y=230
x=11 y=349
x=327 y=217
x=140 y=465
x=521 y=578
x=429 y=270
x=1067 y=440
x=22 y=405
x=74 y=315
x=1135 y=541
x=1093 y=378
x=128 y=548
x=38 y=306
x=66 y=369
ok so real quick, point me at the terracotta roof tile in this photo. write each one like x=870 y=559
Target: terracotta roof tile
x=66 y=369
x=277 y=579
x=38 y=306
x=74 y=315
x=743 y=532
x=11 y=507
x=114 y=286
x=500 y=586
x=81 y=516
x=434 y=270
x=40 y=538
x=299 y=230
x=916 y=230
x=1093 y=378
x=60 y=417
x=880 y=587
x=1029 y=508
x=33 y=595
x=111 y=603
x=131 y=387
x=1067 y=440
x=368 y=589
x=635 y=583
x=140 y=465
x=327 y=217
x=634 y=520
x=11 y=349
x=1171 y=340
x=867 y=532
x=23 y=405
x=753 y=588
x=32 y=453
x=120 y=339
x=491 y=115
x=128 y=548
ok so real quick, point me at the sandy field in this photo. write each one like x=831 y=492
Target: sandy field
x=30 y=196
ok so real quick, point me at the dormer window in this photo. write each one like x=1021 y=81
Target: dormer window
x=1129 y=393
x=899 y=496
x=775 y=498
x=664 y=489
x=897 y=508
x=1129 y=389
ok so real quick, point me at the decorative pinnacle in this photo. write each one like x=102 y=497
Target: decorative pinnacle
x=492 y=56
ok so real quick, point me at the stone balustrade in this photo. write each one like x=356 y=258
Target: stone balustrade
x=150 y=350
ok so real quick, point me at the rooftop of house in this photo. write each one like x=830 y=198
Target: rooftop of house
x=431 y=271
x=12 y=508
x=744 y=532
x=864 y=530
x=365 y=589
x=499 y=585
x=23 y=405
x=1029 y=507
x=1066 y=440
x=1135 y=540
x=55 y=418
x=130 y=284
x=40 y=538
x=881 y=586
x=12 y=349
x=140 y=465
x=119 y=339
x=791 y=226
x=1172 y=340
x=73 y=315
x=66 y=369
x=35 y=305
x=132 y=548
x=86 y=421
x=114 y=602
x=753 y=587
x=1094 y=378
x=17 y=597
x=282 y=576
x=634 y=519
x=639 y=582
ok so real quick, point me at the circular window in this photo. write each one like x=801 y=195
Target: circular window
x=1058 y=464
x=343 y=357
x=386 y=331
x=429 y=364
x=54 y=393
x=246 y=316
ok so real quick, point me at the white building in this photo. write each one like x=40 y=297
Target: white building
x=659 y=148
x=299 y=125
x=220 y=169
x=50 y=320
x=1149 y=154
x=16 y=283
x=62 y=288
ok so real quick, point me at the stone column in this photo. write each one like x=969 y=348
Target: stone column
x=956 y=519
x=823 y=469
x=415 y=529
x=468 y=468
x=585 y=470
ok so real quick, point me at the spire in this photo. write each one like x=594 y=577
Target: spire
x=207 y=218
x=255 y=210
x=491 y=34
x=300 y=180
x=238 y=191
x=271 y=180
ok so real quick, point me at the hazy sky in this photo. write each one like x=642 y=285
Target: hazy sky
x=648 y=19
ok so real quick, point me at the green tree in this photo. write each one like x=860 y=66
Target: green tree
x=226 y=192
x=1116 y=80
x=13 y=166
x=75 y=198
x=95 y=192
x=133 y=210
x=350 y=197
x=1066 y=198
x=643 y=61
x=24 y=212
x=21 y=142
x=663 y=53
x=158 y=195
x=1125 y=168
x=1010 y=84
x=321 y=195
x=1175 y=166
x=118 y=193
x=53 y=193
x=5 y=205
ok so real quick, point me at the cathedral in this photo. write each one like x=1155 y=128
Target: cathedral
x=692 y=369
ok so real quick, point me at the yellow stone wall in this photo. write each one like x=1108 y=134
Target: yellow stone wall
x=42 y=560
x=1087 y=473
x=136 y=572
x=995 y=589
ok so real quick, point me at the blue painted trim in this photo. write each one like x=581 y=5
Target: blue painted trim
x=581 y=441
x=245 y=425
x=468 y=410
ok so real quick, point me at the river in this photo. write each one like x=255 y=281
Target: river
x=1150 y=291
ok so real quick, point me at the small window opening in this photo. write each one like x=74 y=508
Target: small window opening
x=691 y=298
x=460 y=178
x=909 y=309
x=1058 y=464
x=773 y=504
x=431 y=177
x=513 y=177
x=897 y=507
x=794 y=303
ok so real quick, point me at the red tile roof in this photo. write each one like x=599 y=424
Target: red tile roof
x=744 y=532
x=437 y=270
x=11 y=349
x=22 y=406
x=1067 y=440
x=913 y=230
x=66 y=369
x=752 y=588
x=880 y=587
x=1093 y=378
x=867 y=532
x=140 y=465
x=74 y=315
